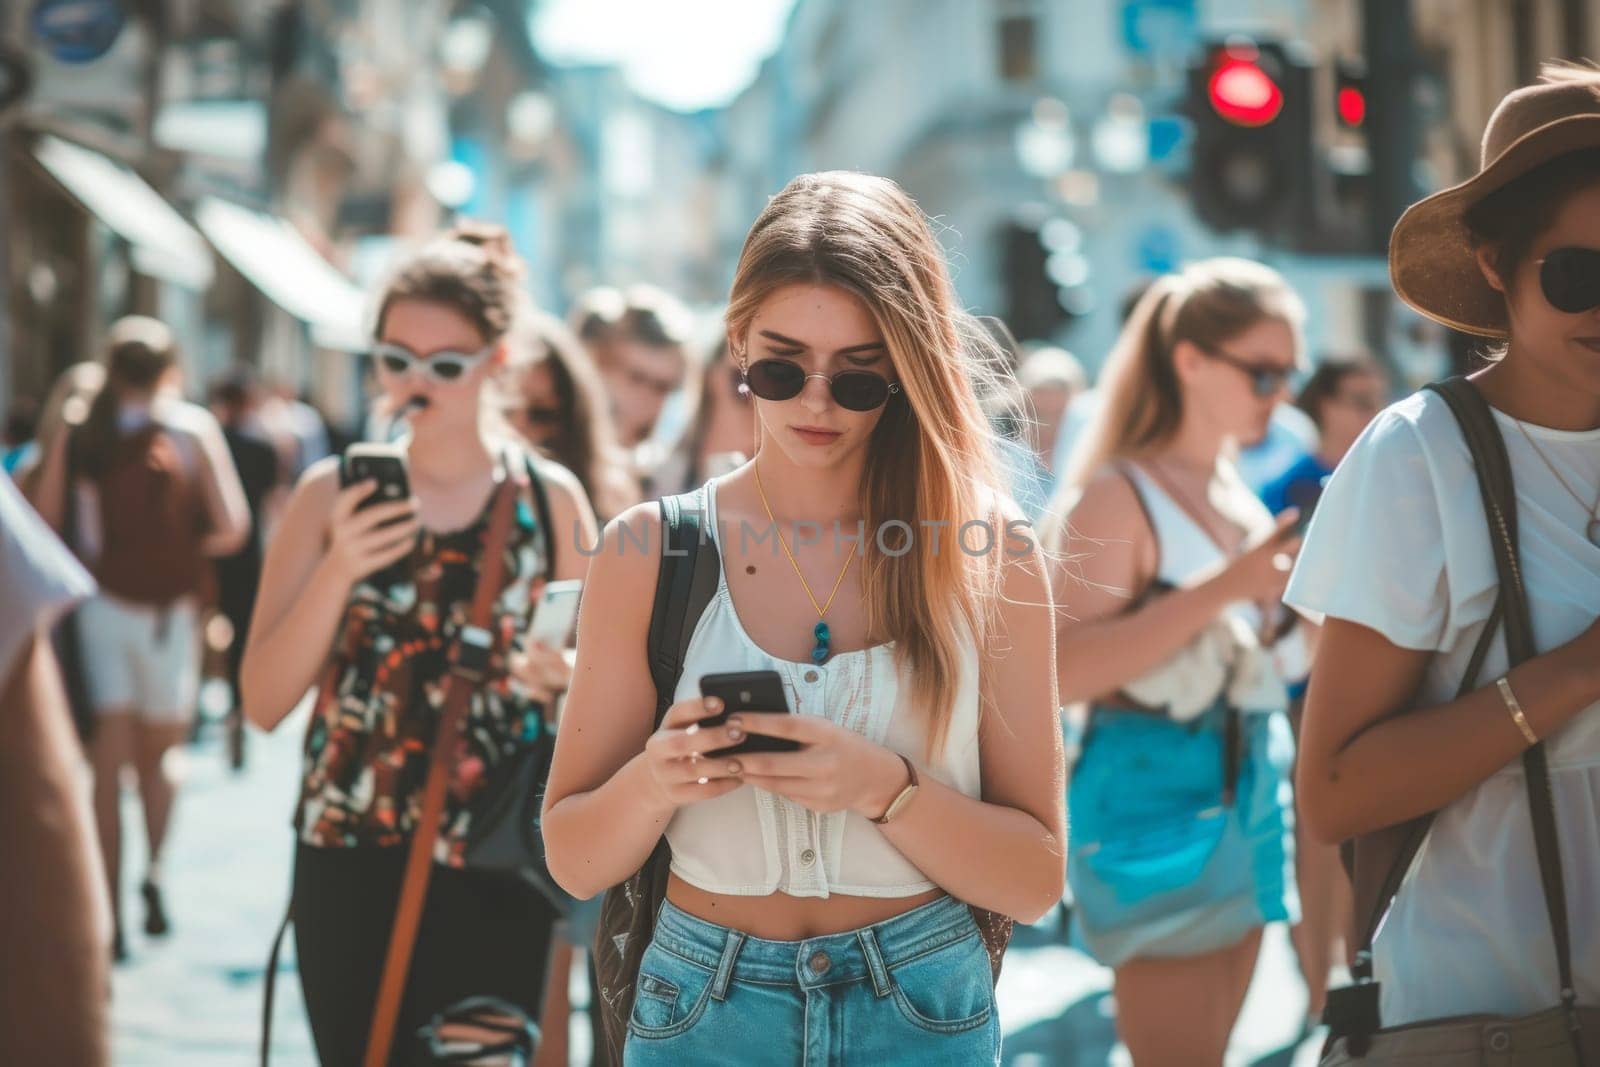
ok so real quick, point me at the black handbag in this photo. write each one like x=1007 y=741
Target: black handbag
x=505 y=835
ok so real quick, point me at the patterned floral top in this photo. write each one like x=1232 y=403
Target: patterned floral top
x=367 y=749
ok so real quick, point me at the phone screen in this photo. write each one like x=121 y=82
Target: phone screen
x=557 y=611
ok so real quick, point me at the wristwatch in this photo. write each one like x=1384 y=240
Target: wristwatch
x=905 y=796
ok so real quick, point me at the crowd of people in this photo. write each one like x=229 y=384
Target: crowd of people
x=945 y=554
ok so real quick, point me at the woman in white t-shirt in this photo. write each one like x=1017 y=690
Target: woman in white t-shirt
x=1399 y=561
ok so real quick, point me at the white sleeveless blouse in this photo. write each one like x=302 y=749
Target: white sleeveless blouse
x=753 y=843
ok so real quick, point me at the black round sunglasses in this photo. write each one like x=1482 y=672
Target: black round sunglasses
x=1570 y=279
x=853 y=390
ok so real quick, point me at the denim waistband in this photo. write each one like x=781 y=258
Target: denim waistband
x=831 y=959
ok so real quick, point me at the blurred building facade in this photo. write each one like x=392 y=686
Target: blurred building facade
x=217 y=165
x=1043 y=138
x=247 y=169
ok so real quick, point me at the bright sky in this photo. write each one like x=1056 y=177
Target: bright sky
x=686 y=54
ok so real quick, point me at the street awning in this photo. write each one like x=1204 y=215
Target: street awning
x=163 y=244
x=282 y=264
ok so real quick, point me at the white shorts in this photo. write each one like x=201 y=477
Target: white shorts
x=141 y=658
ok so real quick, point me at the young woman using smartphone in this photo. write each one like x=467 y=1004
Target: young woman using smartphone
x=799 y=925
x=378 y=650
x=1167 y=584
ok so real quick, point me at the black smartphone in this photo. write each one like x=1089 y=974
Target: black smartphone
x=383 y=464
x=745 y=692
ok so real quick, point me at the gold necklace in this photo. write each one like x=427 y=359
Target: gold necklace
x=819 y=654
x=1592 y=529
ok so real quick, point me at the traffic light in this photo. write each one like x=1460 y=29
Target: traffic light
x=1044 y=277
x=1251 y=161
x=1350 y=94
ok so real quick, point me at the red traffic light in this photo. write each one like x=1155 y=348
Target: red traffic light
x=1352 y=105
x=1244 y=94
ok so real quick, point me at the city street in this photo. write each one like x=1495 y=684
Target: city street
x=195 y=1000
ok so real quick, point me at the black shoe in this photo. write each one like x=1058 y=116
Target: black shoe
x=155 y=915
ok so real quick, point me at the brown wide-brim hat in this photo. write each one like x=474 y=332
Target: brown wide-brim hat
x=1431 y=257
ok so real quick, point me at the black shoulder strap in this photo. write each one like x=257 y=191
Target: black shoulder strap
x=541 y=503
x=690 y=565
x=1500 y=508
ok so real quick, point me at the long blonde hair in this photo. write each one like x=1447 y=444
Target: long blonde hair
x=1140 y=400
x=932 y=455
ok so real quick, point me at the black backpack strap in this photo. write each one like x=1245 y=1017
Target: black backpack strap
x=1500 y=508
x=690 y=567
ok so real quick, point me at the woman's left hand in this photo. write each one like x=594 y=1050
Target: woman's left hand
x=836 y=769
x=542 y=671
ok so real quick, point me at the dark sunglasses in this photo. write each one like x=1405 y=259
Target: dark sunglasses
x=1265 y=380
x=1570 y=278
x=443 y=366
x=853 y=390
x=542 y=416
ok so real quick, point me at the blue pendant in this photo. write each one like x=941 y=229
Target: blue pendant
x=820 y=653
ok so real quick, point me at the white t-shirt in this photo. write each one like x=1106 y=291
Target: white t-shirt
x=1399 y=544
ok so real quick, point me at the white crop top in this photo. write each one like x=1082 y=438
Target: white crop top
x=752 y=843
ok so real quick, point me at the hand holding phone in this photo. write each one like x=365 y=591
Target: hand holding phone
x=745 y=693
x=383 y=464
x=374 y=522
x=556 y=612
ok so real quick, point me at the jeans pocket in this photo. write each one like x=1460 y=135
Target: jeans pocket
x=947 y=991
x=669 y=996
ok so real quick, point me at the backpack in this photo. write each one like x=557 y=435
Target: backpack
x=690 y=567
x=151 y=521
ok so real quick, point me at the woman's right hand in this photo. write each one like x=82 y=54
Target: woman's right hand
x=1262 y=571
x=675 y=753
x=359 y=542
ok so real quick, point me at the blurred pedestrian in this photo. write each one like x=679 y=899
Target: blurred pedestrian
x=594 y=318
x=1417 y=703
x=154 y=494
x=807 y=886
x=66 y=405
x=1341 y=397
x=1167 y=581
x=55 y=920
x=234 y=401
x=17 y=442
x=1005 y=403
x=556 y=401
x=651 y=361
x=368 y=603
x=719 y=438
x=1052 y=380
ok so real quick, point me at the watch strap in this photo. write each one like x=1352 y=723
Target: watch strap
x=904 y=796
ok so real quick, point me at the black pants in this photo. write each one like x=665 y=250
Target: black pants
x=479 y=935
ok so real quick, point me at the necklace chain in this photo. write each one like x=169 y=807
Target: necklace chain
x=1591 y=511
x=822 y=610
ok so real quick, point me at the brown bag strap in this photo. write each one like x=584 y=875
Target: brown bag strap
x=469 y=661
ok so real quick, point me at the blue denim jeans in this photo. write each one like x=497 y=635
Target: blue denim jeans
x=915 y=989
